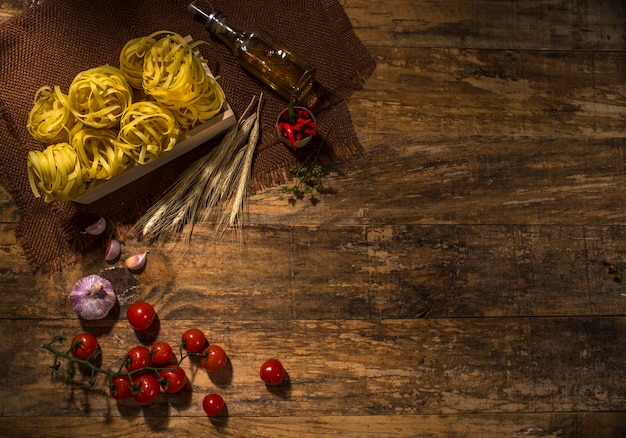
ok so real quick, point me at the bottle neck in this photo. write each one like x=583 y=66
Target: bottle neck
x=218 y=26
x=216 y=23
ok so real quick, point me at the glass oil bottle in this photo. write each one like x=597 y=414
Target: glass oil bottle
x=275 y=65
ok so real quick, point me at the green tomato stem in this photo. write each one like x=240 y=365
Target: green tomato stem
x=95 y=370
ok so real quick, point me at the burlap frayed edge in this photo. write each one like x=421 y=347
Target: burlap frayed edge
x=18 y=202
x=11 y=127
x=358 y=81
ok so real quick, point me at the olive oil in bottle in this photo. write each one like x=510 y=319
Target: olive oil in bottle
x=282 y=70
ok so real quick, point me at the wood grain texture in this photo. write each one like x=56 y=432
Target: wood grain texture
x=454 y=281
x=356 y=367
x=434 y=271
x=486 y=92
x=598 y=425
x=523 y=24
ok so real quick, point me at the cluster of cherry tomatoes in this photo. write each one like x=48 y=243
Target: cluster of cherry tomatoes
x=155 y=369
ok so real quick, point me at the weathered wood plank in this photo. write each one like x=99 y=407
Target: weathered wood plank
x=395 y=271
x=564 y=425
x=493 y=92
x=527 y=24
x=352 y=368
x=408 y=179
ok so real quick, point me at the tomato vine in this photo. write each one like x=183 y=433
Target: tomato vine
x=95 y=370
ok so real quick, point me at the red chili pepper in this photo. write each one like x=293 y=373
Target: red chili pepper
x=308 y=131
x=289 y=131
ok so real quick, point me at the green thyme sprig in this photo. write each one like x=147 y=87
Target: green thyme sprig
x=307 y=176
x=617 y=272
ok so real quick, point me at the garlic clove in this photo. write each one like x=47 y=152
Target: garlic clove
x=92 y=297
x=136 y=262
x=96 y=228
x=113 y=251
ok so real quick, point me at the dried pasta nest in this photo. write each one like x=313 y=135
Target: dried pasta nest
x=172 y=74
x=132 y=56
x=56 y=172
x=97 y=152
x=99 y=96
x=146 y=131
x=205 y=108
x=50 y=119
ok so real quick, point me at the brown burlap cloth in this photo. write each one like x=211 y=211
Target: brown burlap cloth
x=49 y=44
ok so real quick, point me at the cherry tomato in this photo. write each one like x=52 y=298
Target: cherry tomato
x=272 y=372
x=161 y=353
x=212 y=404
x=194 y=340
x=85 y=344
x=121 y=388
x=137 y=358
x=175 y=376
x=149 y=388
x=216 y=358
x=140 y=315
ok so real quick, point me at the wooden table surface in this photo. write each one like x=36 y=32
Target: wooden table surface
x=455 y=281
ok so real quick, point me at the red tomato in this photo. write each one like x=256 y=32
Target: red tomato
x=137 y=358
x=175 y=376
x=272 y=372
x=149 y=388
x=161 y=353
x=216 y=358
x=194 y=340
x=212 y=404
x=84 y=346
x=140 y=315
x=120 y=387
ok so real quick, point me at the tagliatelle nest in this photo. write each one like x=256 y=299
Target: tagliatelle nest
x=146 y=131
x=204 y=109
x=99 y=96
x=172 y=74
x=132 y=56
x=56 y=172
x=99 y=157
x=50 y=119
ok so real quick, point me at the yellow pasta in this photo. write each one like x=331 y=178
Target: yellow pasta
x=56 y=172
x=172 y=74
x=204 y=109
x=50 y=119
x=96 y=132
x=99 y=96
x=132 y=56
x=146 y=131
x=99 y=157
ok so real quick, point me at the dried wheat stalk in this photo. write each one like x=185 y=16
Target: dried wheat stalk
x=219 y=179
